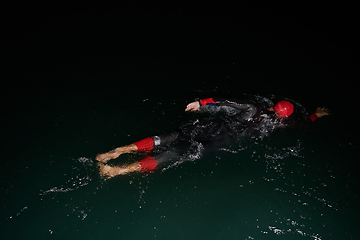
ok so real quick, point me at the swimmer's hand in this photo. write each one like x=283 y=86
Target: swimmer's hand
x=320 y=112
x=194 y=106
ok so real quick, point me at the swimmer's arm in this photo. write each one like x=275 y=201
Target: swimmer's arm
x=320 y=112
x=195 y=106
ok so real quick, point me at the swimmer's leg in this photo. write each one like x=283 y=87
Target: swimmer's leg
x=115 y=153
x=145 y=165
x=108 y=171
x=146 y=144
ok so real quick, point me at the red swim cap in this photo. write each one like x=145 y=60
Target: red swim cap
x=284 y=108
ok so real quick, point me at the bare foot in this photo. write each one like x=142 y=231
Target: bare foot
x=107 y=171
x=105 y=157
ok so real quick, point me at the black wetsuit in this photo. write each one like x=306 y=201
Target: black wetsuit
x=223 y=120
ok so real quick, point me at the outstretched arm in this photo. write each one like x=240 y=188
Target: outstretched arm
x=320 y=112
x=195 y=106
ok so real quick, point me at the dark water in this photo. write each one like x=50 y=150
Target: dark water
x=293 y=184
x=90 y=88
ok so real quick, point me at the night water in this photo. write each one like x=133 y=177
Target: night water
x=294 y=184
x=85 y=82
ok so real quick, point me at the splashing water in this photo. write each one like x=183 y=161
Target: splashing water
x=267 y=125
x=194 y=153
x=221 y=125
x=80 y=177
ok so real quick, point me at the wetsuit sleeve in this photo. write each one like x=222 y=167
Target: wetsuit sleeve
x=204 y=102
x=307 y=120
x=313 y=117
x=248 y=111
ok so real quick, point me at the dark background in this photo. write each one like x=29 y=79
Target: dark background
x=80 y=79
x=303 y=50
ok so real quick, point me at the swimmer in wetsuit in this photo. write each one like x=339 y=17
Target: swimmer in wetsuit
x=237 y=116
